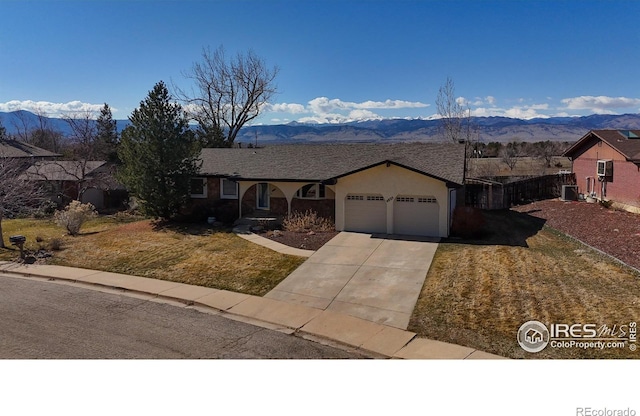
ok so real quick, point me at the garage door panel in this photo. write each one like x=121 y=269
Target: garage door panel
x=416 y=215
x=366 y=213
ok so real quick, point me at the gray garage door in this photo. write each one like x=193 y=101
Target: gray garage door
x=365 y=213
x=416 y=215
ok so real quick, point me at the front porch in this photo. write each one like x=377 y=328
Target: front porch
x=276 y=200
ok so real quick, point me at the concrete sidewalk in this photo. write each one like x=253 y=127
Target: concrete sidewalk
x=305 y=321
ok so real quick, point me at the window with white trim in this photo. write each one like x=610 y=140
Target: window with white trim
x=311 y=191
x=198 y=187
x=228 y=189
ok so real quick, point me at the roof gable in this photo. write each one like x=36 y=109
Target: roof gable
x=312 y=163
x=625 y=142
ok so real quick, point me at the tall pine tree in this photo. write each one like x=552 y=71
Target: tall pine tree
x=159 y=154
x=106 y=136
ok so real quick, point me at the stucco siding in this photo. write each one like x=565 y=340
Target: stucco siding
x=391 y=181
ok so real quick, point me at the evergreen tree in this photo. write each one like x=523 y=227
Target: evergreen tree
x=211 y=136
x=159 y=154
x=3 y=131
x=106 y=136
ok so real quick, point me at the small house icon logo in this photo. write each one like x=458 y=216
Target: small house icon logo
x=533 y=336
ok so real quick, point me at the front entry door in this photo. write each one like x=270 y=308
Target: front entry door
x=263 y=196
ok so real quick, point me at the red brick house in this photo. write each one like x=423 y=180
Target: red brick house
x=607 y=166
x=407 y=189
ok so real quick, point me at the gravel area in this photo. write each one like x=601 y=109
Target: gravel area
x=307 y=241
x=615 y=232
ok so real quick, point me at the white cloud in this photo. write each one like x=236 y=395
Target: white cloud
x=477 y=101
x=50 y=109
x=363 y=115
x=522 y=112
x=291 y=108
x=335 y=110
x=600 y=104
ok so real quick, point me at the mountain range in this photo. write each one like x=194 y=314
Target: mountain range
x=487 y=129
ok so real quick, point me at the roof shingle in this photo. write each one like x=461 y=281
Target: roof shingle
x=621 y=140
x=328 y=161
x=17 y=149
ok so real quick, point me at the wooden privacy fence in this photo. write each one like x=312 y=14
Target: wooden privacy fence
x=495 y=194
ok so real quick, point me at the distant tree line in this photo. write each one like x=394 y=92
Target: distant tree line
x=545 y=150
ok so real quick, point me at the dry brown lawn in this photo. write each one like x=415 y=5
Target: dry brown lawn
x=183 y=253
x=478 y=293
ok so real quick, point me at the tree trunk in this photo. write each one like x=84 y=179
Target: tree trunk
x=1 y=237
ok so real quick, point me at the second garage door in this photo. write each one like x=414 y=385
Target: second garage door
x=365 y=213
x=416 y=215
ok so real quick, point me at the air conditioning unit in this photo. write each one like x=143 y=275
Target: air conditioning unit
x=605 y=168
x=569 y=193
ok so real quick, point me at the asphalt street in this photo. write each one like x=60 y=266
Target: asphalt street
x=48 y=320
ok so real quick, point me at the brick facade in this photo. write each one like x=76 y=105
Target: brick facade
x=624 y=186
x=227 y=209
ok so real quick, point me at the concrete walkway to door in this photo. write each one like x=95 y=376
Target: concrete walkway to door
x=377 y=278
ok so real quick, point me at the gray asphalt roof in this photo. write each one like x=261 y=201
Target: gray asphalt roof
x=15 y=148
x=62 y=170
x=323 y=162
x=627 y=144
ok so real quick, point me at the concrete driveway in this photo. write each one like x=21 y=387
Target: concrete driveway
x=377 y=278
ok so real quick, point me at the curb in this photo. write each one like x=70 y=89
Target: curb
x=318 y=325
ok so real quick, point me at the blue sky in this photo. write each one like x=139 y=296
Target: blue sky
x=339 y=60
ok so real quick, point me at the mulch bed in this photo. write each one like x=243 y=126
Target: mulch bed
x=615 y=232
x=307 y=241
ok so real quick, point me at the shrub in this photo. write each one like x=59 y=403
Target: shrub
x=74 y=215
x=46 y=209
x=55 y=244
x=606 y=204
x=308 y=221
x=468 y=222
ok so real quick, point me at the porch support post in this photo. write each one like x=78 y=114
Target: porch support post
x=289 y=190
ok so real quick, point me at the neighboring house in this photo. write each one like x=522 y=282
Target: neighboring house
x=407 y=189
x=88 y=181
x=24 y=152
x=607 y=166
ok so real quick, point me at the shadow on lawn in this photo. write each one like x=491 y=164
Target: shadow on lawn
x=188 y=228
x=503 y=228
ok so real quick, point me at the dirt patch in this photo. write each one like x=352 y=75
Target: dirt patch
x=613 y=231
x=307 y=241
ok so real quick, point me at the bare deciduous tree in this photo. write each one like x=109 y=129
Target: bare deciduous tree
x=41 y=134
x=511 y=153
x=83 y=169
x=455 y=125
x=545 y=151
x=17 y=194
x=228 y=92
